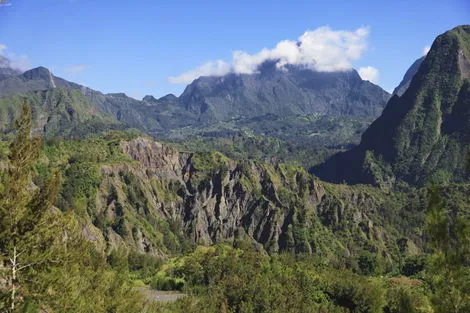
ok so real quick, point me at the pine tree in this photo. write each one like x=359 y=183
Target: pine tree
x=26 y=220
x=45 y=262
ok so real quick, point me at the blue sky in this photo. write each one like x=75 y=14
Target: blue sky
x=136 y=46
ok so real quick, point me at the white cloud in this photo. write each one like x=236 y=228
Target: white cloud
x=370 y=73
x=217 y=68
x=76 y=69
x=322 y=49
x=20 y=62
x=426 y=50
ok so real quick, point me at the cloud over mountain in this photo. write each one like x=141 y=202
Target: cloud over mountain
x=426 y=50
x=322 y=49
x=369 y=73
x=212 y=68
x=19 y=62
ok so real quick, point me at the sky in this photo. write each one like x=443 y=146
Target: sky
x=157 y=47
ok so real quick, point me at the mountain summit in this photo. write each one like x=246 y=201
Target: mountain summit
x=294 y=90
x=423 y=136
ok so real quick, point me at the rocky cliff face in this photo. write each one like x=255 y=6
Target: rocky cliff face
x=164 y=199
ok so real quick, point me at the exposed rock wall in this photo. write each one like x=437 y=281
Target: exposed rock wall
x=209 y=198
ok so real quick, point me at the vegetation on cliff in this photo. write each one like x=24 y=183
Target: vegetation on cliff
x=422 y=137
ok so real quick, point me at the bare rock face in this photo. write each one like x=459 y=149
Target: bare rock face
x=164 y=197
x=162 y=160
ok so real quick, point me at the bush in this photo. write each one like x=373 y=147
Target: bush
x=166 y=283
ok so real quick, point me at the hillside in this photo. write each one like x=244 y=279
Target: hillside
x=58 y=112
x=422 y=136
x=150 y=198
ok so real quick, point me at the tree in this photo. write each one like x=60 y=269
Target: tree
x=26 y=219
x=468 y=161
x=449 y=265
x=45 y=262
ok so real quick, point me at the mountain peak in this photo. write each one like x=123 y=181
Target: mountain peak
x=169 y=98
x=149 y=98
x=422 y=135
x=37 y=73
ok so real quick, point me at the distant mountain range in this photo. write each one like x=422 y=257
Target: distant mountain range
x=299 y=106
x=423 y=136
x=295 y=91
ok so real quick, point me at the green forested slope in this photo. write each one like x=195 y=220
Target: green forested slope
x=422 y=136
x=57 y=113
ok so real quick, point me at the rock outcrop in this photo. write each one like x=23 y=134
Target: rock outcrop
x=163 y=198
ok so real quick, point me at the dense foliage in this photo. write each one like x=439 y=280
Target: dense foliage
x=303 y=140
x=46 y=264
x=224 y=279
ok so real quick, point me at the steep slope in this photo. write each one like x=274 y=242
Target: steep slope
x=153 y=118
x=294 y=91
x=422 y=136
x=144 y=196
x=36 y=79
x=405 y=83
x=57 y=112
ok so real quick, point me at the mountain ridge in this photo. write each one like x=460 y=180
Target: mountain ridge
x=307 y=92
x=285 y=105
x=422 y=136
